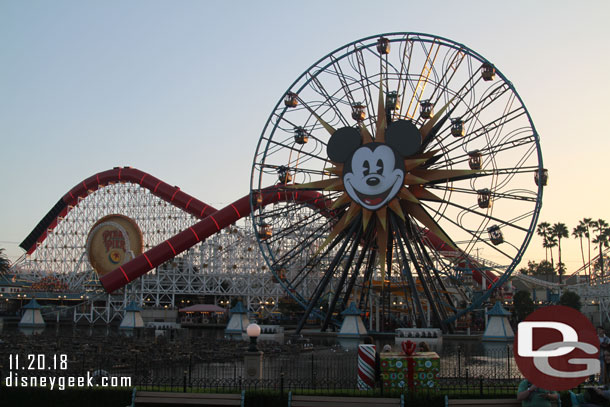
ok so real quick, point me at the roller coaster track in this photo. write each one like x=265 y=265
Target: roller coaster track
x=212 y=220
x=535 y=281
x=168 y=193
x=593 y=261
x=594 y=282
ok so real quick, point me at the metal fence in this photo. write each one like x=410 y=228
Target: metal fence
x=329 y=365
x=328 y=369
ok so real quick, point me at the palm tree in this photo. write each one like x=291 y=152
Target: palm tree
x=601 y=239
x=580 y=231
x=560 y=230
x=543 y=230
x=586 y=223
x=4 y=262
x=551 y=241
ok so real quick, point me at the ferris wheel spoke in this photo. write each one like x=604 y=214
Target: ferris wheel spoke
x=456 y=61
x=477 y=237
x=342 y=79
x=284 y=119
x=288 y=256
x=293 y=170
x=495 y=126
x=495 y=195
x=364 y=83
x=480 y=174
x=328 y=100
x=310 y=238
x=481 y=132
x=291 y=229
x=417 y=237
x=310 y=130
x=427 y=267
x=290 y=147
x=483 y=215
x=366 y=280
x=404 y=72
x=313 y=301
x=421 y=271
x=339 y=286
x=489 y=150
x=435 y=176
x=436 y=125
x=474 y=111
x=433 y=126
x=316 y=259
x=304 y=221
x=356 y=272
x=406 y=269
x=422 y=81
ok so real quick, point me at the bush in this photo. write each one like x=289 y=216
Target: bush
x=570 y=299
x=523 y=305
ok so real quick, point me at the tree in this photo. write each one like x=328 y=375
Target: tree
x=586 y=223
x=597 y=266
x=545 y=267
x=570 y=299
x=560 y=231
x=523 y=305
x=543 y=230
x=580 y=231
x=534 y=269
x=602 y=239
x=4 y=262
x=529 y=269
x=551 y=242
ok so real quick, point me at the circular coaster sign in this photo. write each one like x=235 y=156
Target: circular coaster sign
x=112 y=241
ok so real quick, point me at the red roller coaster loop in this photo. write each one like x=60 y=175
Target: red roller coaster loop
x=212 y=222
x=168 y=193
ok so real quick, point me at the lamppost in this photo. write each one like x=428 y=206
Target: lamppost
x=253 y=358
x=253 y=331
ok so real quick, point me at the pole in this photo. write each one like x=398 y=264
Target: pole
x=371 y=315
x=377 y=314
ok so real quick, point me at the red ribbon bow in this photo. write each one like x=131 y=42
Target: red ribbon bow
x=408 y=347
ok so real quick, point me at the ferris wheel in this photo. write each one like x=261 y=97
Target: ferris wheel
x=416 y=153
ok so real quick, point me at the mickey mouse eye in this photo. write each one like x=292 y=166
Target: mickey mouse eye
x=380 y=166
x=367 y=167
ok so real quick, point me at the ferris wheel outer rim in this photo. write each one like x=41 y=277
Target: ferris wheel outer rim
x=429 y=38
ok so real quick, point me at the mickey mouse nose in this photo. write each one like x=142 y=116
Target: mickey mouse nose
x=373 y=181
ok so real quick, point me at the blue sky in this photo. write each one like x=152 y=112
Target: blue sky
x=182 y=89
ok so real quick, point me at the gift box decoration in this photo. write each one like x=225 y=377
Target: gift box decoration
x=420 y=370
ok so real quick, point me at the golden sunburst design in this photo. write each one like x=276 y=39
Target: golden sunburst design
x=406 y=203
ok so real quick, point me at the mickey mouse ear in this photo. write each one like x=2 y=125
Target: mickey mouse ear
x=343 y=143
x=404 y=137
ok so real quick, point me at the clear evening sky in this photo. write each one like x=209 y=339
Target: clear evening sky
x=182 y=89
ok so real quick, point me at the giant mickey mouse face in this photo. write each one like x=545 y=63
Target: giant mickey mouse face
x=373 y=173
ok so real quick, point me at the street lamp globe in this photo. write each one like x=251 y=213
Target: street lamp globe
x=253 y=331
